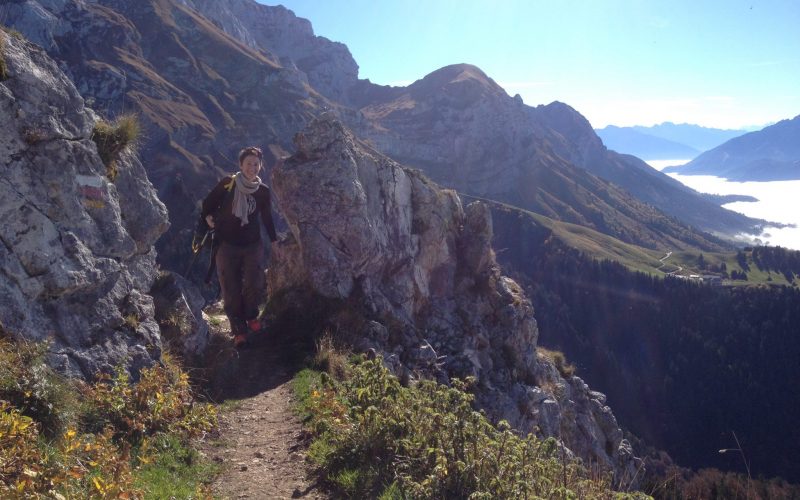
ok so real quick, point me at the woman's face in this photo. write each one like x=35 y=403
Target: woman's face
x=250 y=167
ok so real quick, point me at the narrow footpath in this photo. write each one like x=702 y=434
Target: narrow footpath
x=260 y=442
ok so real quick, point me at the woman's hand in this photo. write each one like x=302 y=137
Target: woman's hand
x=210 y=221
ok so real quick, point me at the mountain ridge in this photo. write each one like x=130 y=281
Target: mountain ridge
x=770 y=154
x=628 y=140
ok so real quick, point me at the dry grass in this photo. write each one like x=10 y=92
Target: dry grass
x=330 y=358
x=3 y=67
x=565 y=368
x=113 y=138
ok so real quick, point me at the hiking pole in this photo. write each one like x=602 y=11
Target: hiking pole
x=196 y=251
x=212 y=263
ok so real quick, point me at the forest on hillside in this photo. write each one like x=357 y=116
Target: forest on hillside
x=684 y=365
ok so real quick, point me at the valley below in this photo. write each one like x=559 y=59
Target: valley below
x=777 y=201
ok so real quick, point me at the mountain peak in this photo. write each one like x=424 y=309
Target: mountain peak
x=457 y=75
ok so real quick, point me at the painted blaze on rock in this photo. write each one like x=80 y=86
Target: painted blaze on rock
x=422 y=266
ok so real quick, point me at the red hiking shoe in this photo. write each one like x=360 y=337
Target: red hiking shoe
x=254 y=325
x=240 y=341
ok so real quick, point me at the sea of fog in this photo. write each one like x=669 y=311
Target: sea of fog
x=778 y=201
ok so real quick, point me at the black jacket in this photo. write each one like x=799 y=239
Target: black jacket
x=229 y=229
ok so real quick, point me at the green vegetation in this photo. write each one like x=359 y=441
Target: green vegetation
x=175 y=470
x=111 y=439
x=29 y=386
x=601 y=246
x=751 y=266
x=375 y=438
x=113 y=138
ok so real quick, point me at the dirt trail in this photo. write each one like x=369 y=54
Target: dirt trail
x=260 y=442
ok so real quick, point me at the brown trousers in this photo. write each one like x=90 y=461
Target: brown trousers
x=241 y=277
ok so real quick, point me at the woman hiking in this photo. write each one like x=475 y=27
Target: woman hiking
x=235 y=209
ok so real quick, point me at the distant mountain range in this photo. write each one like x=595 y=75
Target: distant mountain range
x=766 y=155
x=667 y=141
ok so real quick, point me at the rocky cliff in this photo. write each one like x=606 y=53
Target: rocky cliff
x=415 y=279
x=77 y=257
x=201 y=94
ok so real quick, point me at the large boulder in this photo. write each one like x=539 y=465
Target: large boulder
x=386 y=243
x=77 y=256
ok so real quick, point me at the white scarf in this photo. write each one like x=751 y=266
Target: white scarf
x=243 y=201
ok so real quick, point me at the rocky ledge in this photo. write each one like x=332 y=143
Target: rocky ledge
x=413 y=277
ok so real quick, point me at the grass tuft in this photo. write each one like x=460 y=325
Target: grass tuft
x=566 y=369
x=3 y=66
x=330 y=358
x=113 y=138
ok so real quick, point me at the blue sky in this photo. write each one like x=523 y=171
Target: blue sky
x=724 y=64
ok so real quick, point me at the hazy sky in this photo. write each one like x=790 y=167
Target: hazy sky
x=718 y=63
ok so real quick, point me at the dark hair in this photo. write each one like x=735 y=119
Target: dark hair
x=248 y=151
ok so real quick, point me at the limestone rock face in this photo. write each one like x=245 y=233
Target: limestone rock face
x=366 y=230
x=77 y=256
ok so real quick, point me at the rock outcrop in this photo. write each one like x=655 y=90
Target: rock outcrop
x=77 y=257
x=376 y=237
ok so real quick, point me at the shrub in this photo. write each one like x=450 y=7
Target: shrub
x=73 y=466
x=29 y=385
x=161 y=402
x=113 y=138
x=119 y=441
x=375 y=437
